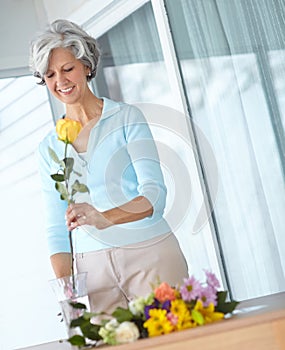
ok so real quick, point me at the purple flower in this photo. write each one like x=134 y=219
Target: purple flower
x=208 y=295
x=191 y=289
x=212 y=280
x=146 y=310
x=154 y=305
x=166 y=305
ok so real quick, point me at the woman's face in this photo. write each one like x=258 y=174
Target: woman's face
x=66 y=76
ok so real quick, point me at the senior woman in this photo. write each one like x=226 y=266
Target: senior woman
x=121 y=237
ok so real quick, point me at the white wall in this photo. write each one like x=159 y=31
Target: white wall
x=19 y=21
x=75 y=10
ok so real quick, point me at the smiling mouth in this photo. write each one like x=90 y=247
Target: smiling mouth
x=65 y=91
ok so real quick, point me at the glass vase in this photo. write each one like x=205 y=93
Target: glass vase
x=71 y=289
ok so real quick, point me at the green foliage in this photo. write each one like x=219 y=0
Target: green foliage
x=122 y=314
x=62 y=177
x=69 y=163
x=90 y=331
x=62 y=190
x=224 y=306
x=78 y=306
x=79 y=187
x=53 y=155
x=197 y=317
x=58 y=177
x=77 y=340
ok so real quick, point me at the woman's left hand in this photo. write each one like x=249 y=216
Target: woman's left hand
x=78 y=214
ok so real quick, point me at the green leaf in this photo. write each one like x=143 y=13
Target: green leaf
x=62 y=190
x=78 y=306
x=227 y=308
x=78 y=187
x=77 y=322
x=222 y=296
x=122 y=314
x=197 y=317
x=63 y=197
x=69 y=162
x=90 y=331
x=53 y=155
x=77 y=340
x=58 y=177
x=224 y=306
x=88 y=315
x=77 y=173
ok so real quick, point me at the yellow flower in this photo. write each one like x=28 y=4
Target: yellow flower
x=67 y=130
x=208 y=313
x=158 y=323
x=178 y=307
x=185 y=321
x=157 y=314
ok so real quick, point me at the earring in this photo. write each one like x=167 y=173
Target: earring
x=89 y=74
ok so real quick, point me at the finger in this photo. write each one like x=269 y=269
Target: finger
x=73 y=211
x=81 y=219
x=71 y=217
x=72 y=225
x=76 y=223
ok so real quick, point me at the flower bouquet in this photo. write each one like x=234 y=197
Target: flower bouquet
x=165 y=310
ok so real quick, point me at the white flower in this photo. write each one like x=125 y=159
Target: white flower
x=136 y=306
x=127 y=332
x=112 y=324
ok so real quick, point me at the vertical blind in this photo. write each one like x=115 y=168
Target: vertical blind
x=231 y=55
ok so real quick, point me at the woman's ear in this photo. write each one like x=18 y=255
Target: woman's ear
x=87 y=72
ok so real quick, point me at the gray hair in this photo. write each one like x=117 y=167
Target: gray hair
x=65 y=34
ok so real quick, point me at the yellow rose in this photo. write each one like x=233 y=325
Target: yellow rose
x=67 y=130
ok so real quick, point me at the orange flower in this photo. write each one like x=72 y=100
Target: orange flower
x=67 y=130
x=164 y=292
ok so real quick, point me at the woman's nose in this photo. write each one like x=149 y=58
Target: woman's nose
x=61 y=80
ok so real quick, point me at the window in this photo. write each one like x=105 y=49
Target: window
x=133 y=70
x=25 y=117
x=231 y=57
x=132 y=66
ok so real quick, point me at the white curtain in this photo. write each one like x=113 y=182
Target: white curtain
x=131 y=58
x=231 y=54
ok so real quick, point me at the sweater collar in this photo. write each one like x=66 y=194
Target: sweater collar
x=110 y=107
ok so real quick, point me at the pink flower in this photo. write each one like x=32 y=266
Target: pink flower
x=191 y=289
x=212 y=280
x=208 y=296
x=164 y=292
x=173 y=319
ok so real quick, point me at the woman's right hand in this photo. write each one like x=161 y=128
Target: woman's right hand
x=78 y=214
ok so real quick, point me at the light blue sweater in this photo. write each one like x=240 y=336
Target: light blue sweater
x=120 y=164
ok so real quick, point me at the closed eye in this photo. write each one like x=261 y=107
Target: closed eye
x=68 y=69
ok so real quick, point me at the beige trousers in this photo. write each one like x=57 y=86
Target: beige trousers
x=117 y=275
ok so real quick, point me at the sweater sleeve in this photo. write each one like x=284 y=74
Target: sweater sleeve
x=57 y=233
x=144 y=156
